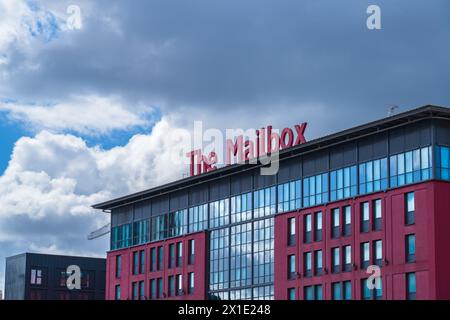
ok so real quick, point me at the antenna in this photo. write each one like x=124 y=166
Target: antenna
x=392 y=109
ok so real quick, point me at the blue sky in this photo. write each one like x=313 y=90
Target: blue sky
x=88 y=114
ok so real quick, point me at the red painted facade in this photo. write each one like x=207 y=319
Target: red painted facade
x=432 y=258
x=127 y=278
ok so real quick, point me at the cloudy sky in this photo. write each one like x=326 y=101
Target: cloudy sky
x=89 y=113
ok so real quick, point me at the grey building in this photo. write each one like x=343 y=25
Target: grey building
x=31 y=276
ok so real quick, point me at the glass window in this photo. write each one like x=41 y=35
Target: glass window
x=191 y=286
x=264 y=202
x=411 y=286
x=172 y=255
x=291 y=293
x=160 y=288
x=443 y=163
x=410 y=208
x=179 y=254
x=308 y=228
x=171 y=286
x=241 y=207
x=141 y=232
x=198 y=218
x=291 y=236
x=308 y=264
x=377 y=215
x=136 y=262
x=347 y=290
x=365 y=254
x=411 y=248
x=118 y=266
x=37 y=277
x=152 y=289
x=347 y=220
x=343 y=183
x=337 y=291
x=117 y=292
x=263 y=247
x=318 y=262
x=289 y=196
x=378 y=248
x=219 y=213
x=179 y=285
x=347 y=258
x=291 y=267
x=160 y=257
x=241 y=255
x=153 y=260
x=373 y=176
x=315 y=190
x=142 y=261
x=336 y=259
x=318 y=226
x=335 y=231
x=141 y=290
x=365 y=217
x=219 y=259
x=318 y=291
x=308 y=293
x=191 y=248
x=411 y=166
x=135 y=286
x=158 y=228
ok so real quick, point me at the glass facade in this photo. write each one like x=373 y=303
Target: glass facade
x=410 y=167
x=315 y=190
x=343 y=183
x=241 y=207
x=443 y=163
x=289 y=196
x=373 y=176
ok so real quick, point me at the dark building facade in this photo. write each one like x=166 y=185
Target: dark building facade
x=31 y=276
x=374 y=196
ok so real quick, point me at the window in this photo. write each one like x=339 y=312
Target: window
x=289 y=196
x=142 y=290
x=198 y=218
x=241 y=207
x=335 y=232
x=241 y=255
x=172 y=255
x=315 y=190
x=347 y=221
x=411 y=286
x=410 y=208
x=171 y=286
x=365 y=217
x=442 y=163
x=135 y=286
x=37 y=276
x=337 y=290
x=377 y=215
x=158 y=230
x=177 y=223
x=136 y=262
x=191 y=284
x=152 y=289
x=179 y=254
x=373 y=176
x=121 y=236
x=264 y=202
x=308 y=293
x=318 y=226
x=117 y=292
x=411 y=166
x=142 y=261
x=219 y=263
x=343 y=183
x=160 y=288
x=318 y=262
x=191 y=248
x=291 y=293
x=347 y=290
x=318 y=291
x=118 y=266
x=308 y=228
x=411 y=248
x=180 y=285
x=335 y=259
x=141 y=232
x=153 y=260
x=365 y=255
x=347 y=258
x=308 y=264
x=292 y=274
x=219 y=213
x=369 y=291
x=378 y=250
x=160 y=257
x=291 y=232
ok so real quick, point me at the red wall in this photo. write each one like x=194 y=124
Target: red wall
x=127 y=277
x=432 y=220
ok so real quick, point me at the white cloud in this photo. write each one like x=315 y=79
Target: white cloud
x=88 y=115
x=52 y=180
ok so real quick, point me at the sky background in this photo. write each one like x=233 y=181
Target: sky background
x=90 y=114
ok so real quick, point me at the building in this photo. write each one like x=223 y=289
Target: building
x=374 y=195
x=31 y=276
